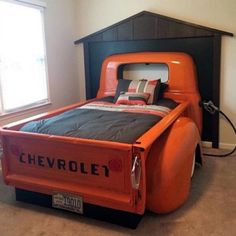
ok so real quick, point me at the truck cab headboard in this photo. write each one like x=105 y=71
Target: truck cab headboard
x=182 y=75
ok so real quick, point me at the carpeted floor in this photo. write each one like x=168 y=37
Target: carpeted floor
x=210 y=210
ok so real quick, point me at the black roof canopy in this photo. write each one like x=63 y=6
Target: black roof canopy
x=148 y=25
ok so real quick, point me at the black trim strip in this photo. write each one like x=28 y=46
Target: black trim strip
x=122 y=218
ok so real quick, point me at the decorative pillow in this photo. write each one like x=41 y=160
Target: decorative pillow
x=139 y=86
x=163 y=88
x=133 y=98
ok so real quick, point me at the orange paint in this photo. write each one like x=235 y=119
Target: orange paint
x=182 y=77
x=100 y=171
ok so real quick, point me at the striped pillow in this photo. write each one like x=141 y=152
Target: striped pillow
x=139 y=86
x=129 y=98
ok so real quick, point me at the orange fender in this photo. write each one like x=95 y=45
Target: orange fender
x=169 y=166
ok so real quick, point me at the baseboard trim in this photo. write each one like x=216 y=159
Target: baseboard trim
x=208 y=144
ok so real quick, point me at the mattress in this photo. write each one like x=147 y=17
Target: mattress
x=103 y=120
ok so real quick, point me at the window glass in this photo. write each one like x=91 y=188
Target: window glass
x=23 y=77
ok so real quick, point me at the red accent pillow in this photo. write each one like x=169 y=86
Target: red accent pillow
x=129 y=98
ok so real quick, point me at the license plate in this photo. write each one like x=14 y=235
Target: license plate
x=68 y=202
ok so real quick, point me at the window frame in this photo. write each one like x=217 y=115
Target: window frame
x=40 y=5
x=32 y=3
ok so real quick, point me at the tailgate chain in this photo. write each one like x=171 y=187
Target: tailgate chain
x=136 y=173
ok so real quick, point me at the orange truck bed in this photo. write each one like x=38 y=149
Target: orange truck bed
x=153 y=173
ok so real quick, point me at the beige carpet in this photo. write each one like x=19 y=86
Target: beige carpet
x=210 y=210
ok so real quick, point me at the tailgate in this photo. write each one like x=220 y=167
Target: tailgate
x=97 y=171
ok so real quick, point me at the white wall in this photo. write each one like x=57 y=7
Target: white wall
x=94 y=15
x=62 y=71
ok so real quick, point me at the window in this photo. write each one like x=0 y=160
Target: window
x=146 y=71
x=23 y=73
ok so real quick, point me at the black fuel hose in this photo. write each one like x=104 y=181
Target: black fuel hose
x=212 y=109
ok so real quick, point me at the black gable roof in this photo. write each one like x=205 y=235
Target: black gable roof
x=148 y=25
